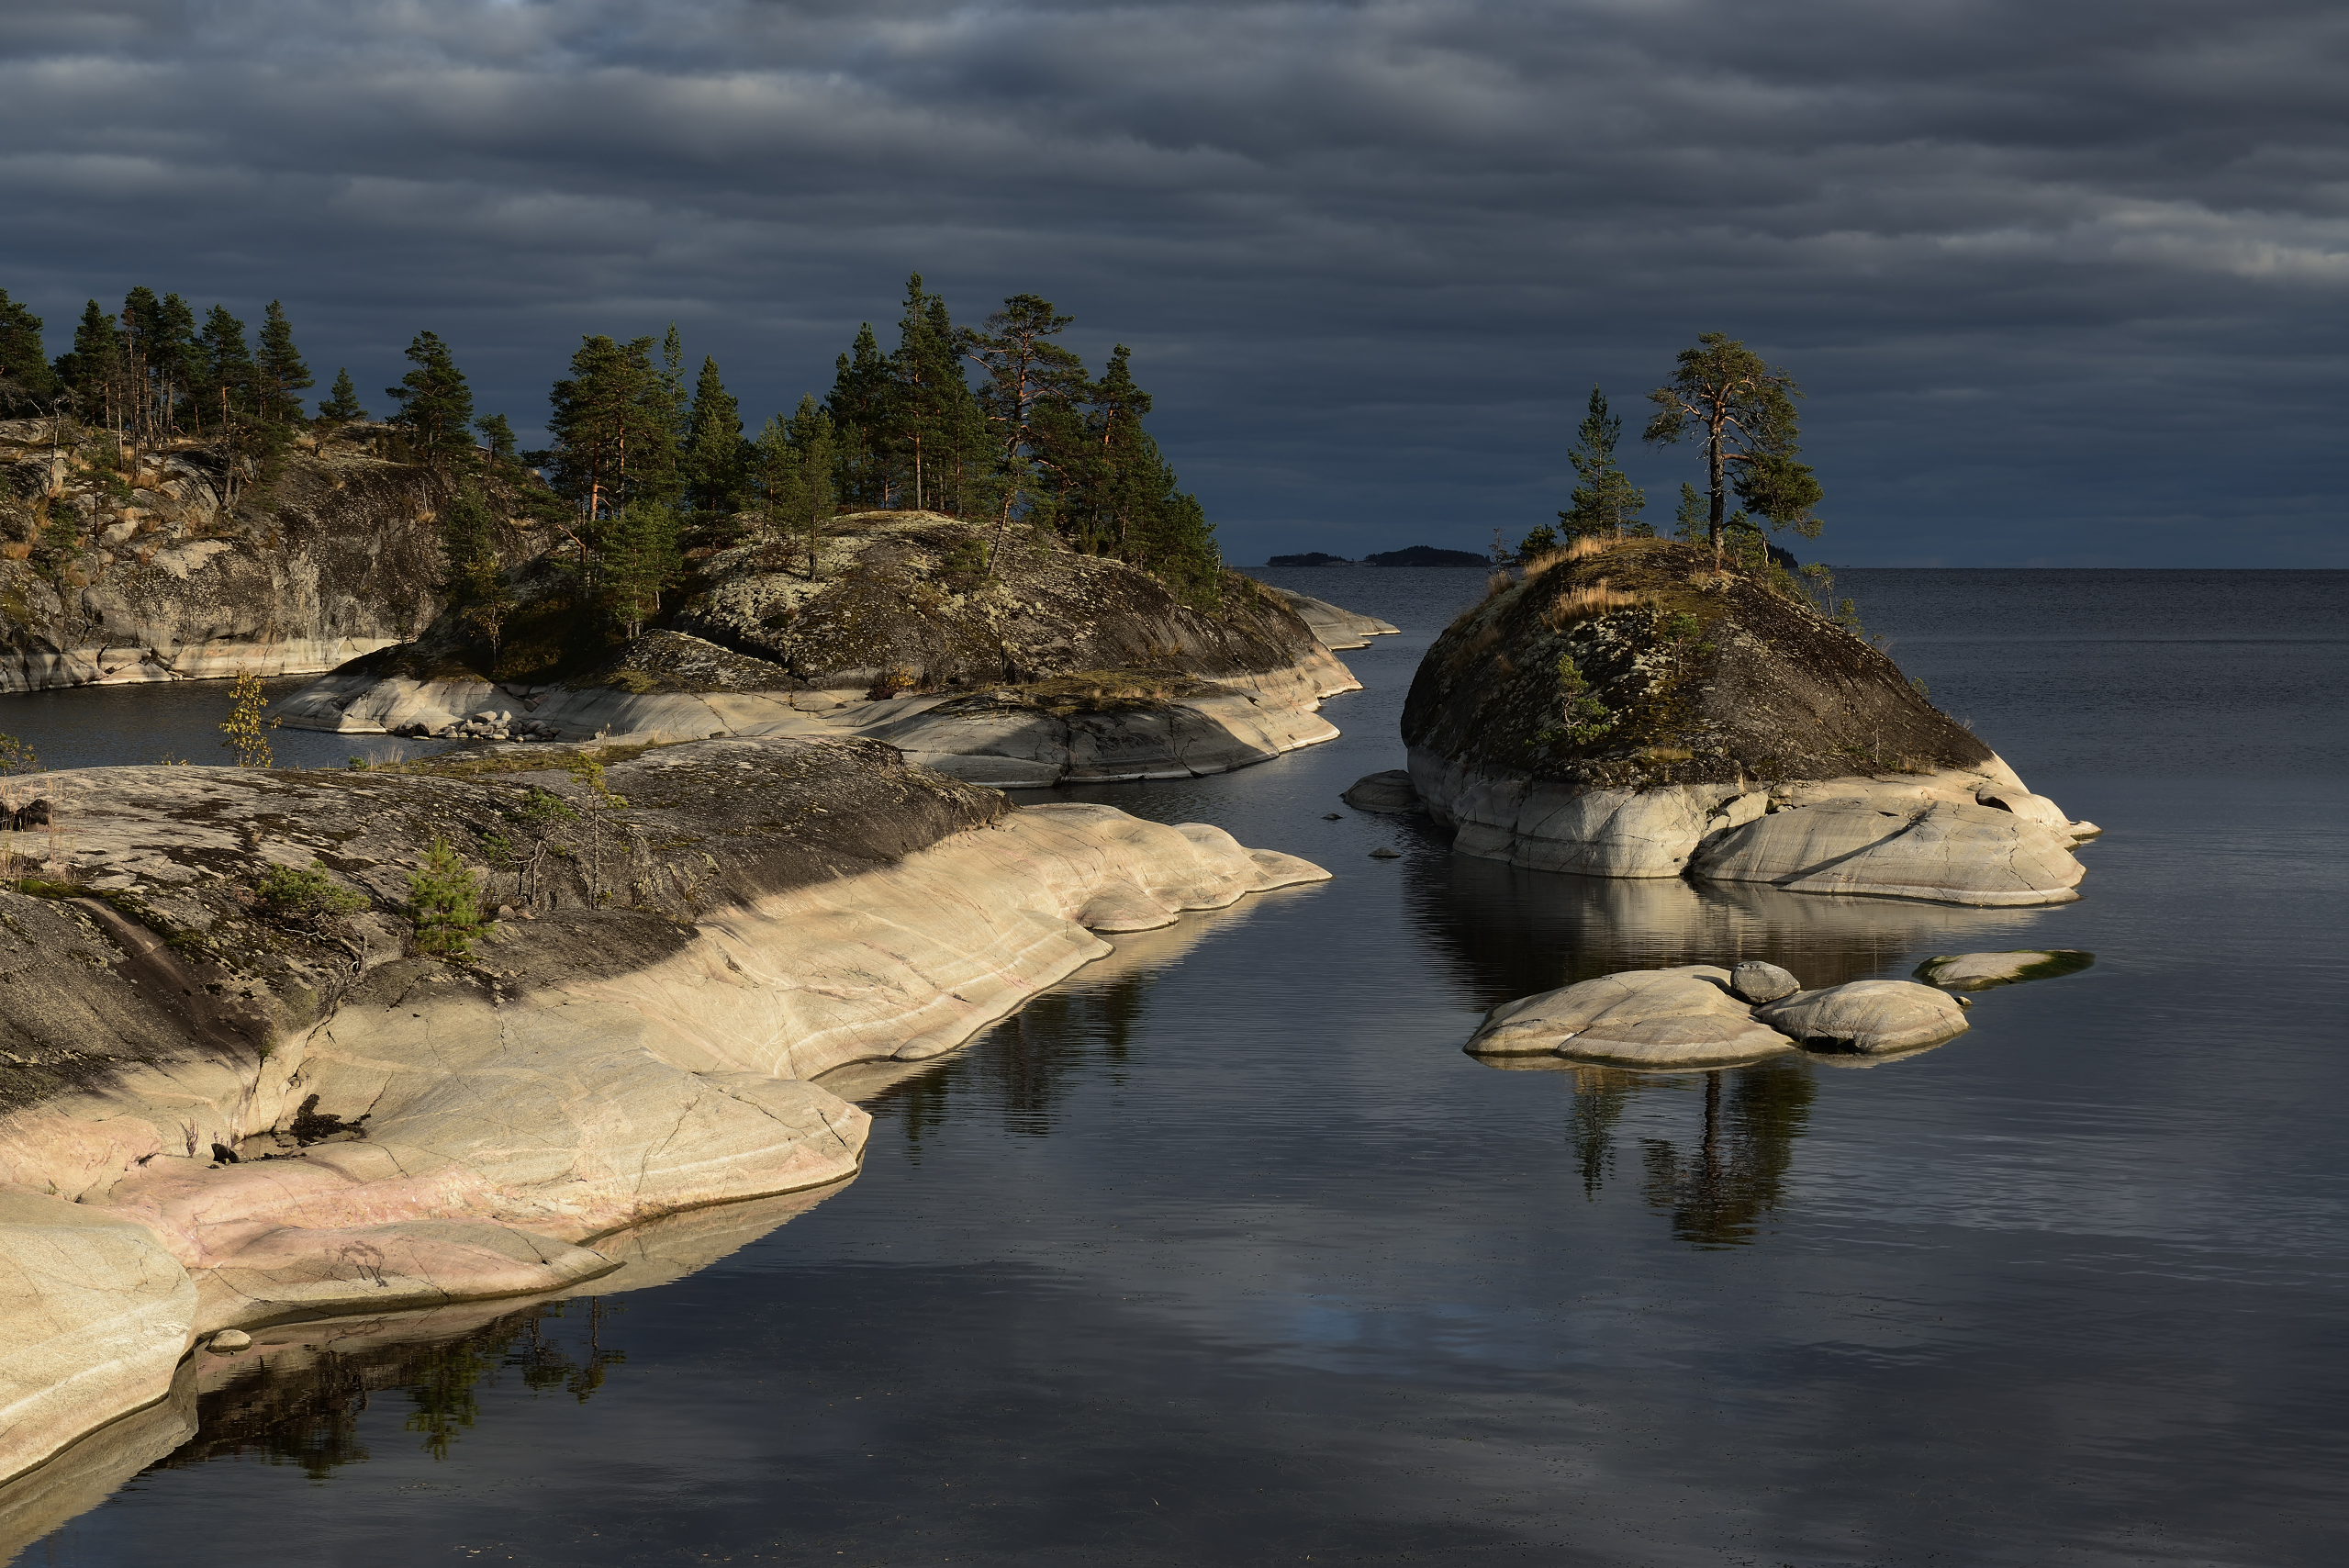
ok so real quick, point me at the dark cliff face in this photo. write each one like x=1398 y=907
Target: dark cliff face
x=168 y=548
x=1636 y=666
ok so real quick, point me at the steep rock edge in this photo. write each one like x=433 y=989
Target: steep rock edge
x=1627 y=712
x=634 y=1039
x=141 y=569
x=1056 y=667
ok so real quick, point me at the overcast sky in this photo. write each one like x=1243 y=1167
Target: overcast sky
x=2065 y=282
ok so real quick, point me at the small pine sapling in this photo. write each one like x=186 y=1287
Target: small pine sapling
x=305 y=893
x=444 y=900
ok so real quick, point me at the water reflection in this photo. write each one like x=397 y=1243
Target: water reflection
x=1511 y=932
x=1025 y=1068
x=300 y=1404
x=1718 y=1189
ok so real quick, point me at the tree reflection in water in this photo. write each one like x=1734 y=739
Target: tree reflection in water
x=1717 y=1190
x=1028 y=1064
x=305 y=1409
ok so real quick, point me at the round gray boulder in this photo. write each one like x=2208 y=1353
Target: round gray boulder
x=1867 y=1016
x=1758 y=983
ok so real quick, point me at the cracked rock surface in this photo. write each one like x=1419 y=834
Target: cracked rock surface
x=684 y=941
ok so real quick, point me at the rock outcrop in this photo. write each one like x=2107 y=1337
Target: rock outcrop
x=1682 y=1017
x=245 y=1098
x=1337 y=628
x=1871 y=1018
x=1699 y=1016
x=1048 y=668
x=1623 y=710
x=128 y=565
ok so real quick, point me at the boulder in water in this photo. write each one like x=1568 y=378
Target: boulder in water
x=1678 y=1017
x=1868 y=1016
x=1755 y=982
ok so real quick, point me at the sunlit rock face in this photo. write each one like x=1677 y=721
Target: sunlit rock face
x=1628 y=711
x=255 y=1113
x=123 y=564
x=995 y=655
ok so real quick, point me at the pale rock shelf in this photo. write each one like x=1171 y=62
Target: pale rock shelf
x=1337 y=627
x=519 y=1115
x=1975 y=837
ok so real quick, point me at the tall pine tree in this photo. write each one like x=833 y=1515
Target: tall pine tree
x=223 y=371
x=280 y=375
x=93 y=370
x=716 y=461
x=25 y=378
x=435 y=404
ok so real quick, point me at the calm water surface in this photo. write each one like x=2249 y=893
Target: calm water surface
x=1224 y=1252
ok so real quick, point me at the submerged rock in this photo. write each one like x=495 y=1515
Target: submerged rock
x=1390 y=793
x=1625 y=711
x=1755 y=982
x=1868 y=1016
x=1979 y=972
x=1679 y=1017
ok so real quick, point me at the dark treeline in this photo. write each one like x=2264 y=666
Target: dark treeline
x=996 y=423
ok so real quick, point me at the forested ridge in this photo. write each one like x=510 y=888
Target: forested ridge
x=649 y=467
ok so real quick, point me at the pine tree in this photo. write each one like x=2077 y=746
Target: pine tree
x=716 y=459
x=498 y=436
x=862 y=409
x=280 y=375
x=224 y=373
x=342 y=406
x=435 y=404
x=1606 y=501
x=93 y=369
x=175 y=356
x=475 y=584
x=614 y=428
x=24 y=374
x=1742 y=408
x=640 y=561
x=1031 y=381
x=796 y=460
x=444 y=900
x=927 y=373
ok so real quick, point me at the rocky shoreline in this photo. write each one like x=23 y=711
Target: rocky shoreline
x=215 y=1115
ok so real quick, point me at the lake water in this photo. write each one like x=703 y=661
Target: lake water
x=1224 y=1252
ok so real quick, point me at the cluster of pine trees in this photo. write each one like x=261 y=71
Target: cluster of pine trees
x=997 y=423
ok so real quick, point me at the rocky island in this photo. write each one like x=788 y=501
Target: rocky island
x=282 y=1045
x=1627 y=708
x=1019 y=667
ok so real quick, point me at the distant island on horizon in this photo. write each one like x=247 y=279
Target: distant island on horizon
x=1414 y=555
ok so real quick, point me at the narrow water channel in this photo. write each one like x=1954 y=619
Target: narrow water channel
x=1224 y=1252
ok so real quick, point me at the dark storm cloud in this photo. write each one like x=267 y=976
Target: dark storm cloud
x=2065 y=282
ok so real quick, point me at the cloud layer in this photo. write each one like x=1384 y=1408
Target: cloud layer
x=2066 y=282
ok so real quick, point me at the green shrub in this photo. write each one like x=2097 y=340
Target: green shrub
x=444 y=900
x=306 y=890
